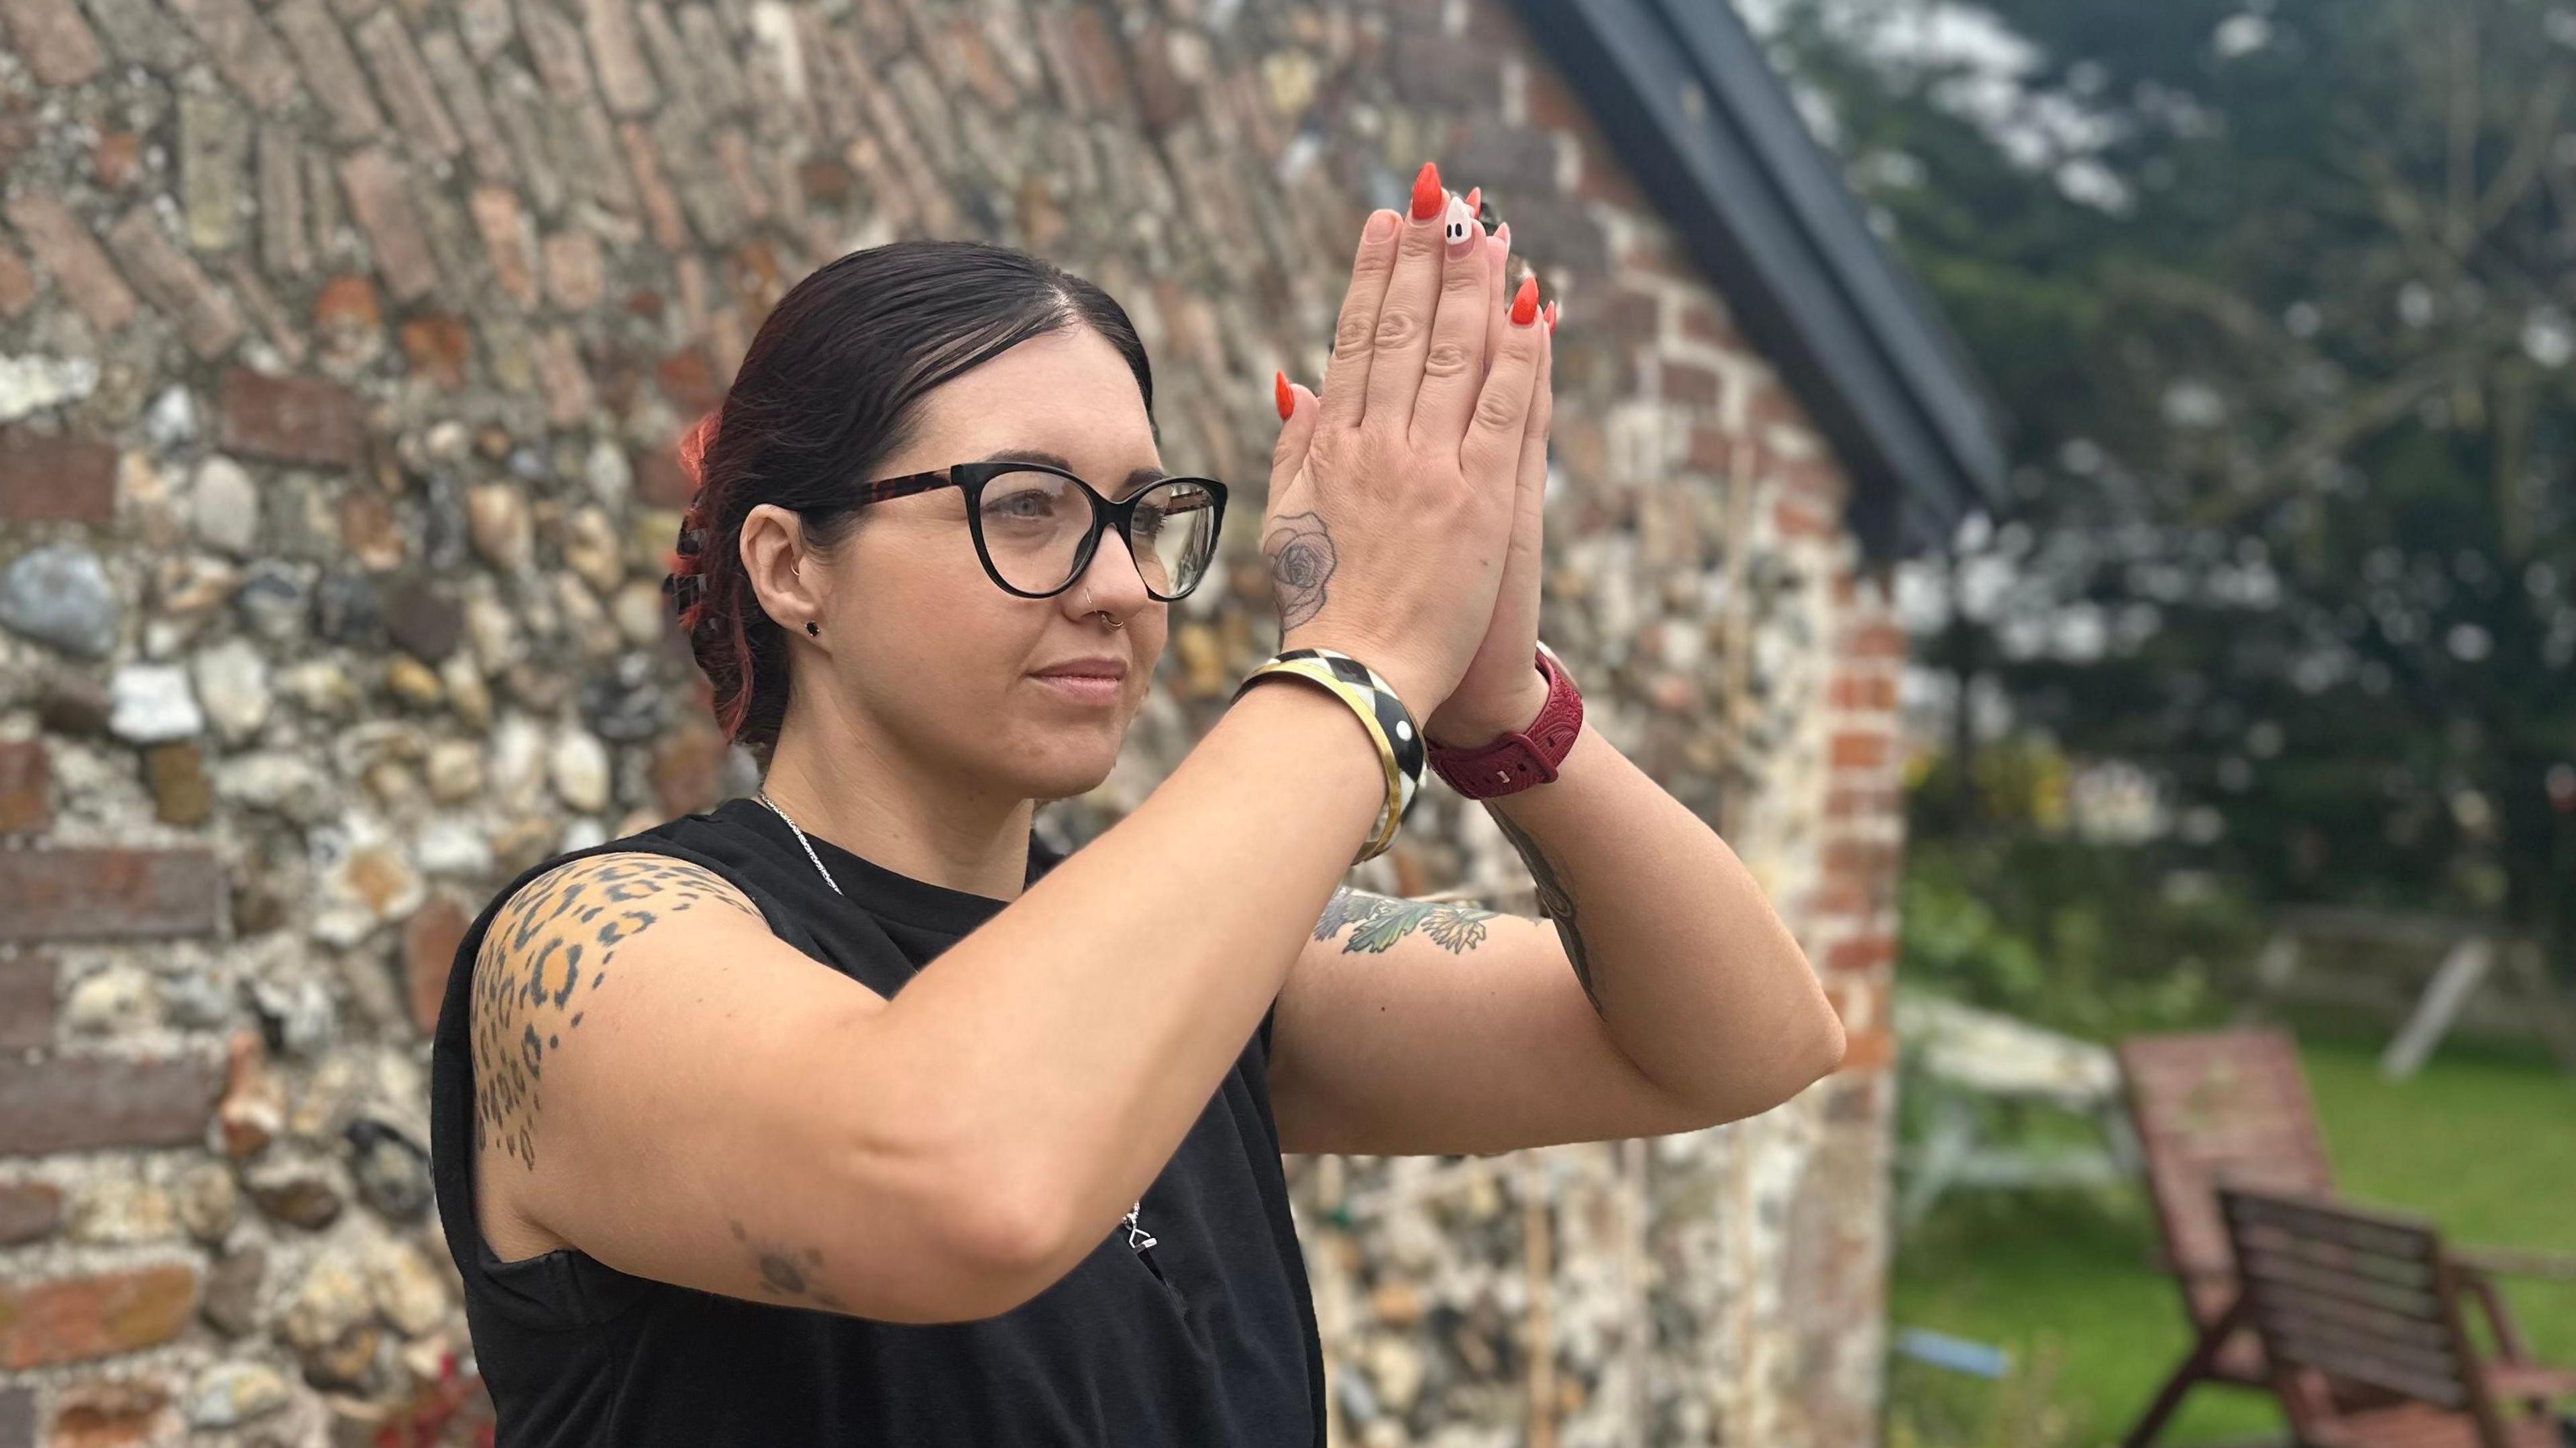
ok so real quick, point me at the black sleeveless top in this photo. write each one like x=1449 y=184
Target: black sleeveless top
x=1219 y=1348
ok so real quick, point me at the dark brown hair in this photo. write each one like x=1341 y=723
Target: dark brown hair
x=828 y=391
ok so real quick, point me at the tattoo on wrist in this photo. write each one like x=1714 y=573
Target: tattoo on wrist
x=1555 y=902
x=1379 y=921
x=1300 y=550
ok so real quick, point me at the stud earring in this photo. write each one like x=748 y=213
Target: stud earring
x=812 y=629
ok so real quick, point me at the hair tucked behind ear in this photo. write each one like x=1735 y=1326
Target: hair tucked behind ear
x=827 y=392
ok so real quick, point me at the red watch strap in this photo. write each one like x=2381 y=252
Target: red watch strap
x=1523 y=758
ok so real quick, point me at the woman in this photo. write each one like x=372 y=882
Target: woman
x=710 y=1179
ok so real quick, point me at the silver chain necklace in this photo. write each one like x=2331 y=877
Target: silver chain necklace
x=1137 y=1236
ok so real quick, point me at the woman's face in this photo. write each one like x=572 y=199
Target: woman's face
x=919 y=638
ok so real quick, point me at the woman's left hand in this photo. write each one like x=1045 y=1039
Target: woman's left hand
x=1503 y=688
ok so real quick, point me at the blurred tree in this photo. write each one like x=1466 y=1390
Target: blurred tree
x=2278 y=297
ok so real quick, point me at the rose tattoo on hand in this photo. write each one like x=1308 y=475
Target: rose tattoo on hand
x=1301 y=560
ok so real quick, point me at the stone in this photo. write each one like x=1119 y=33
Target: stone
x=29 y=1210
x=253 y=1110
x=45 y=478
x=112 y=1413
x=414 y=682
x=297 y=1015
x=176 y=772
x=610 y=475
x=231 y=1306
x=64 y=1319
x=224 y=507
x=273 y=602
x=208 y=1201
x=407 y=1291
x=425 y=618
x=229 y=1394
x=392 y=1170
x=506 y=242
x=439 y=348
x=454 y=771
x=277 y=782
x=1395 y=1370
x=171 y=421
x=626 y=705
x=497 y=514
x=348 y=325
x=153 y=704
x=299 y=1193
x=73 y=704
x=348 y=610
x=232 y=688
x=593 y=549
x=29 y=385
x=59 y=594
x=327 y=1319
x=451 y=847
x=198 y=997
x=578 y=767
x=119 y=1206
x=113 y=1000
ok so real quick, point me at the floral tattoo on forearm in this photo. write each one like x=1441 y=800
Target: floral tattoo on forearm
x=1379 y=922
x=1555 y=902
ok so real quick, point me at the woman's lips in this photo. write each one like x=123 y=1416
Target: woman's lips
x=1084 y=688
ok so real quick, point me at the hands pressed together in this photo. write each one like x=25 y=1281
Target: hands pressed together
x=1405 y=514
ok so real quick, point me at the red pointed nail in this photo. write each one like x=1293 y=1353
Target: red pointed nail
x=1287 y=397
x=1426 y=192
x=1525 y=302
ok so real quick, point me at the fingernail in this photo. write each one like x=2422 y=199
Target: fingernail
x=1551 y=319
x=1475 y=198
x=1462 y=231
x=1503 y=234
x=1525 y=303
x=1381 y=225
x=1426 y=192
x=1287 y=394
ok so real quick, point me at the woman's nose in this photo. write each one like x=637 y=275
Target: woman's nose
x=1112 y=578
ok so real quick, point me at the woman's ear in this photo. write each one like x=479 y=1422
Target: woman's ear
x=774 y=554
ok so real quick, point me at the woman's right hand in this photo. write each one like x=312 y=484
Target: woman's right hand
x=1391 y=495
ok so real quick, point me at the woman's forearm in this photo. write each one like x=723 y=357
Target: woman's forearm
x=1697 y=978
x=1069 y=1043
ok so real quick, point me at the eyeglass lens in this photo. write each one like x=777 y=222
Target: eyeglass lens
x=1034 y=525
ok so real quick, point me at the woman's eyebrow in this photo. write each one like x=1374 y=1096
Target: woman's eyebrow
x=1139 y=478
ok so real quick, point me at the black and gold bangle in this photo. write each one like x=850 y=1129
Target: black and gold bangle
x=1382 y=713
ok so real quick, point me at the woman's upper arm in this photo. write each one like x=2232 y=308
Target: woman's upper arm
x=664 y=1083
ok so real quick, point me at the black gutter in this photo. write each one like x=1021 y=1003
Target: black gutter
x=1686 y=96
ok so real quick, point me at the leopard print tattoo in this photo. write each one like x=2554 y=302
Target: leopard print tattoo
x=1379 y=921
x=546 y=955
x=784 y=1271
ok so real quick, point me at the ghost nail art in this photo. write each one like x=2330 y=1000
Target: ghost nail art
x=1461 y=230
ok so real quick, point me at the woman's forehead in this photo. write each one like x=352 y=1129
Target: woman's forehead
x=1066 y=392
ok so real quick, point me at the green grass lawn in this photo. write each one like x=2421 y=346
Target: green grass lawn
x=2483 y=1142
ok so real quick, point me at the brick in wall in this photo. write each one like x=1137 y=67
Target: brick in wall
x=80 y=1102
x=46 y=478
x=26 y=999
x=108 y=893
x=290 y=419
x=55 y=42
x=67 y=252
x=71 y=1318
